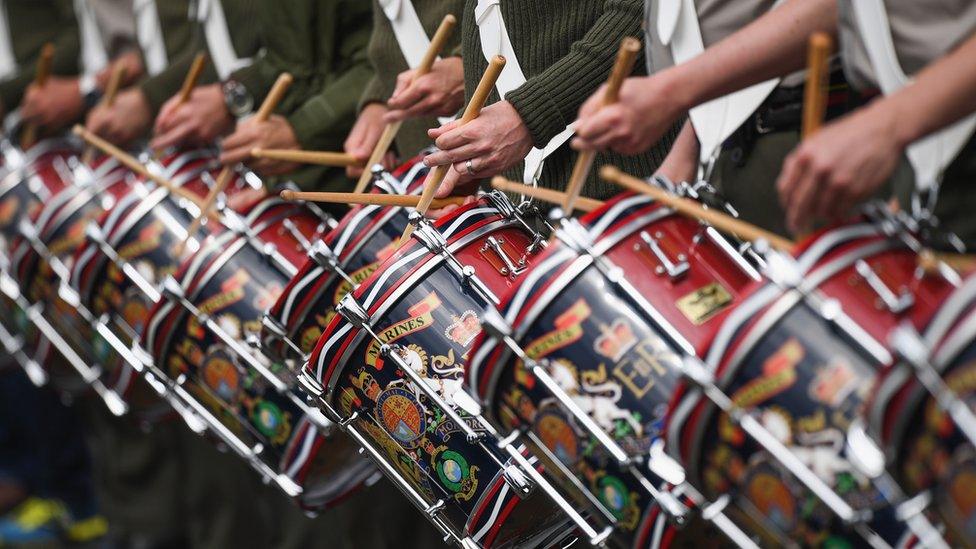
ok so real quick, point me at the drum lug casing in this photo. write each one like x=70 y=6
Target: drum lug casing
x=351 y=310
x=896 y=304
x=673 y=268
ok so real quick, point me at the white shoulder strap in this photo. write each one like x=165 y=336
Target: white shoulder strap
x=8 y=63
x=716 y=120
x=407 y=29
x=149 y=33
x=93 y=55
x=495 y=41
x=219 y=43
x=928 y=156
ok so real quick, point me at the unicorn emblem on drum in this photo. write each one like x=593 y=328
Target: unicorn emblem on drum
x=598 y=400
x=448 y=376
x=819 y=451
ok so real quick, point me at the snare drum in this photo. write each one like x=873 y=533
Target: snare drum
x=41 y=263
x=203 y=334
x=340 y=261
x=596 y=328
x=142 y=233
x=30 y=180
x=931 y=452
x=390 y=367
x=793 y=365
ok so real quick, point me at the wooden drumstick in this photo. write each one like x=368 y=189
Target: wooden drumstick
x=582 y=203
x=192 y=77
x=690 y=208
x=372 y=199
x=111 y=90
x=44 y=63
x=130 y=162
x=436 y=175
x=815 y=92
x=626 y=57
x=334 y=159
x=223 y=179
x=437 y=43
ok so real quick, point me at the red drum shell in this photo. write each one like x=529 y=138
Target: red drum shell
x=807 y=373
x=142 y=228
x=565 y=311
x=361 y=241
x=417 y=301
x=25 y=189
x=60 y=227
x=233 y=282
x=925 y=449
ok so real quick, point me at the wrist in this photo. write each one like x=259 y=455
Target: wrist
x=684 y=92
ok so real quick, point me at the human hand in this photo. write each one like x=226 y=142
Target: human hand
x=644 y=112
x=199 y=121
x=440 y=92
x=486 y=146
x=54 y=105
x=273 y=133
x=363 y=138
x=129 y=117
x=839 y=166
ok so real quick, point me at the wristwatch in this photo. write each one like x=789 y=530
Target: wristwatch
x=88 y=88
x=238 y=100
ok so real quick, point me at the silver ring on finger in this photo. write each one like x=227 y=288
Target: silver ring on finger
x=469 y=166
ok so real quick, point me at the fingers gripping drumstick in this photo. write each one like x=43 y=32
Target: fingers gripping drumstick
x=436 y=175
x=390 y=131
x=44 y=63
x=111 y=90
x=223 y=179
x=624 y=65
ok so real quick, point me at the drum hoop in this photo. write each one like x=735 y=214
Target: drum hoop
x=610 y=215
x=832 y=239
x=948 y=335
x=52 y=219
x=406 y=283
x=185 y=157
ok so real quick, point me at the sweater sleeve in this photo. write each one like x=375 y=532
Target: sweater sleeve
x=67 y=44
x=550 y=100
x=158 y=89
x=328 y=114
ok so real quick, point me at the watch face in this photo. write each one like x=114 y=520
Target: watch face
x=239 y=101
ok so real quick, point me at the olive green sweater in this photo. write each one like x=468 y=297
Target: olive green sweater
x=185 y=38
x=566 y=49
x=387 y=61
x=322 y=43
x=32 y=24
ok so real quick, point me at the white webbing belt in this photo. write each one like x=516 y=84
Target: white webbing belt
x=409 y=32
x=715 y=120
x=149 y=33
x=8 y=63
x=930 y=155
x=495 y=41
x=93 y=55
x=219 y=42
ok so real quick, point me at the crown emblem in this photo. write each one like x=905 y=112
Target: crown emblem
x=464 y=328
x=616 y=340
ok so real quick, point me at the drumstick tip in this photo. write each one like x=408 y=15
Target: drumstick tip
x=287 y=195
x=449 y=19
x=78 y=130
x=631 y=44
x=257 y=152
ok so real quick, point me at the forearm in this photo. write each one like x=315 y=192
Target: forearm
x=941 y=94
x=773 y=45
